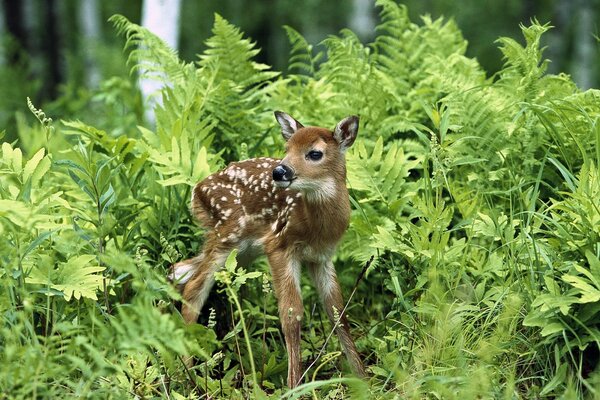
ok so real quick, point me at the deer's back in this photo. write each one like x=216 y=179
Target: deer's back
x=242 y=201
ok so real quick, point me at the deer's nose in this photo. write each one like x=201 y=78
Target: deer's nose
x=283 y=173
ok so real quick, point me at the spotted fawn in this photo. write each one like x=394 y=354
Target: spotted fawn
x=294 y=211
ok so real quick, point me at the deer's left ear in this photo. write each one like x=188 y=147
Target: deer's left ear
x=345 y=131
x=289 y=125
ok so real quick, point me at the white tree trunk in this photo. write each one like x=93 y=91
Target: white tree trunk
x=160 y=17
x=89 y=21
x=362 y=21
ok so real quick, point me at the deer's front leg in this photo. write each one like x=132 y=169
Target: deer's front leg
x=286 y=280
x=325 y=279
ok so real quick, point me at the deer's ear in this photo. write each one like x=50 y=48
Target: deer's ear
x=289 y=125
x=345 y=132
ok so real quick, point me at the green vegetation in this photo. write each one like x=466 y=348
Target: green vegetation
x=479 y=198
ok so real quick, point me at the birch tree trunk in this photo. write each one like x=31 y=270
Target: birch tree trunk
x=362 y=20
x=160 y=17
x=89 y=23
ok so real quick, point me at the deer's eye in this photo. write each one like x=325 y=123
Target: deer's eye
x=314 y=155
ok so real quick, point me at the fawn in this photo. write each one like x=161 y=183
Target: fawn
x=293 y=210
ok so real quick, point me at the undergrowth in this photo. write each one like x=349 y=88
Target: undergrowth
x=477 y=197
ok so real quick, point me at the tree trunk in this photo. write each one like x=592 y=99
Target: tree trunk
x=89 y=24
x=557 y=51
x=13 y=23
x=362 y=21
x=51 y=44
x=161 y=17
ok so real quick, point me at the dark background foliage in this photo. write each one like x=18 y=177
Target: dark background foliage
x=47 y=37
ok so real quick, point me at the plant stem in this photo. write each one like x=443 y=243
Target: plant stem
x=238 y=306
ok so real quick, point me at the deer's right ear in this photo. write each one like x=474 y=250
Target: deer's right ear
x=345 y=132
x=289 y=125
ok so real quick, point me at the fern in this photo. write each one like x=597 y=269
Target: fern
x=350 y=70
x=302 y=59
x=75 y=278
x=149 y=55
x=381 y=187
x=477 y=195
x=411 y=61
x=383 y=178
x=229 y=55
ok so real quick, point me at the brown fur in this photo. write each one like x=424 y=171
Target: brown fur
x=244 y=208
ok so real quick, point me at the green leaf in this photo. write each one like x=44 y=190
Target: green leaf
x=17 y=160
x=551 y=328
x=231 y=262
x=40 y=171
x=107 y=198
x=31 y=165
x=75 y=278
x=588 y=293
x=35 y=243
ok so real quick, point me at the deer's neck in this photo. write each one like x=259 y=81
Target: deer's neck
x=326 y=214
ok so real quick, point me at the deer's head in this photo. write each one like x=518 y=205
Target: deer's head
x=314 y=162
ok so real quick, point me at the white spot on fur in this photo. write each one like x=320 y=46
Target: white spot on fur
x=232 y=237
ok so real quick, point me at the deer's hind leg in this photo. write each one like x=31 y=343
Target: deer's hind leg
x=196 y=289
x=181 y=272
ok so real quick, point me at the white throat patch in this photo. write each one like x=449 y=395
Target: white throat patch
x=320 y=191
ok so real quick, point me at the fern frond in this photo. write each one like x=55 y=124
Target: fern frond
x=149 y=55
x=230 y=56
x=350 y=70
x=524 y=65
x=382 y=177
x=411 y=62
x=301 y=55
